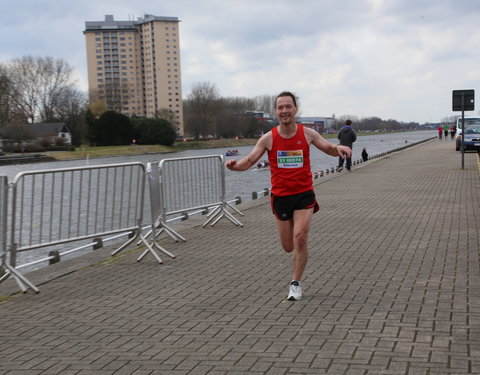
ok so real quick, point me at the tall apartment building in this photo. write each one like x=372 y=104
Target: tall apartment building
x=134 y=66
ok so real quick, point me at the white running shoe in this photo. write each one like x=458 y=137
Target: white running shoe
x=295 y=293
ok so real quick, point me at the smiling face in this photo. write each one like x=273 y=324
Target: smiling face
x=286 y=109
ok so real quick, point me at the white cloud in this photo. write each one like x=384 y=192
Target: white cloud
x=395 y=59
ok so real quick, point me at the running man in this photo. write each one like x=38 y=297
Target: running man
x=292 y=196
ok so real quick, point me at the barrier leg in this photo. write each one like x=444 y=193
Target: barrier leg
x=163 y=250
x=150 y=249
x=172 y=233
x=229 y=216
x=235 y=209
x=211 y=215
x=175 y=236
x=19 y=278
x=219 y=212
x=129 y=241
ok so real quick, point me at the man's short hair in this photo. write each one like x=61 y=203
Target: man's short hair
x=348 y=122
x=286 y=93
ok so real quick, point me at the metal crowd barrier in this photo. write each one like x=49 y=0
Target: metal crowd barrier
x=153 y=178
x=183 y=185
x=53 y=207
x=193 y=183
x=4 y=262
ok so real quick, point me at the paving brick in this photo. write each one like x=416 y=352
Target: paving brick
x=389 y=289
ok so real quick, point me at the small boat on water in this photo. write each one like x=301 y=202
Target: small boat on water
x=262 y=166
x=232 y=153
x=261 y=169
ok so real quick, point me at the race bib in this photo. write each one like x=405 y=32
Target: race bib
x=290 y=159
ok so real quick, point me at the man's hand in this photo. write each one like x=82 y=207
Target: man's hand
x=344 y=151
x=231 y=164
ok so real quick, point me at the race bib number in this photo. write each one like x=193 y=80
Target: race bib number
x=290 y=159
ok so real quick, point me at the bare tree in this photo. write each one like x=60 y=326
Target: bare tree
x=265 y=103
x=57 y=88
x=37 y=86
x=200 y=109
x=71 y=110
x=4 y=97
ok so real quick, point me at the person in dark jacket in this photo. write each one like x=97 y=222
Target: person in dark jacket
x=346 y=136
x=364 y=154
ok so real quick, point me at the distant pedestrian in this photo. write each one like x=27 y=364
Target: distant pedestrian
x=440 y=132
x=346 y=136
x=364 y=154
x=445 y=131
x=453 y=130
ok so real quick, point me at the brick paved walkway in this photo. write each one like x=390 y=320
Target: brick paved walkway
x=392 y=287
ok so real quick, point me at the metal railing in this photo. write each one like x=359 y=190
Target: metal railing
x=4 y=262
x=193 y=183
x=64 y=205
x=53 y=207
x=182 y=186
x=50 y=208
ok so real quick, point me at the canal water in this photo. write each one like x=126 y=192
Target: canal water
x=241 y=184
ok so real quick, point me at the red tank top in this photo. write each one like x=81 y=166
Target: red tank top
x=290 y=163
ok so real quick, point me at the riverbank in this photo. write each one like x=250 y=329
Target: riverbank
x=24 y=159
x=134 y=149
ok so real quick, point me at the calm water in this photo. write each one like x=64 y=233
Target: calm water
x=241 y=184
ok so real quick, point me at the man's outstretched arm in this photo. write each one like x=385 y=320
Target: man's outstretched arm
x=252 y=158
x=327 y=147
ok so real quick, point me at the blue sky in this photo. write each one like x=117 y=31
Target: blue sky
x=396 y=59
